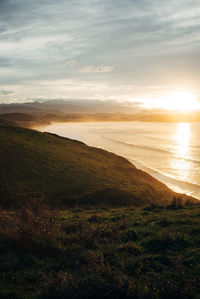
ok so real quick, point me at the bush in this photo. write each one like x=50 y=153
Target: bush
x=177 y=203
x=37 y=227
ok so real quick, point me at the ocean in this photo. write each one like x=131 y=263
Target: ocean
x=168 y=151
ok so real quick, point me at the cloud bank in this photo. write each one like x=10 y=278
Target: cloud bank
x=98 y=48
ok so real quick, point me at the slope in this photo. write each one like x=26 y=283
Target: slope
x=68 y=172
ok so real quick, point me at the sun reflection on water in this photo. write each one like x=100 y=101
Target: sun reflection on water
x=182 y=138
x=181 y=150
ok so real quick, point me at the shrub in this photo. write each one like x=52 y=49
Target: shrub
x=36 y=226
x=129 y=235
x=177 y=203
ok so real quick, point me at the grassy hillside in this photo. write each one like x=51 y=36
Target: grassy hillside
x=67 y=172
x=84 y=251
x=100 y=253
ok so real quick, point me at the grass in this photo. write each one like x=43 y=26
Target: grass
x=69 y=173
x=100 y=253
x=88 y=237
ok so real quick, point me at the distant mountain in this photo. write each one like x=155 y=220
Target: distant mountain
x=33 y=120
x=68 y=172
x=30 y=108
x=17 y=108
x=88 y=110
x=17 y=116
x=72 y=106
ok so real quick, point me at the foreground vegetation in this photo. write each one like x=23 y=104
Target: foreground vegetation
x=150 y=252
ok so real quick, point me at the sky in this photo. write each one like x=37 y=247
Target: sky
x=125 y=50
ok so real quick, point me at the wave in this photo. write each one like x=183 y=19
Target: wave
x=137 y=145
x=180 y=186
x=154 y=149
x=177 y=185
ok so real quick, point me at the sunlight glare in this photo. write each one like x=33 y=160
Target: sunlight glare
x=181 y=101
x=177 y=101
x=182 y=138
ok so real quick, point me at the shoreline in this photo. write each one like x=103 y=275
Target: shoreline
x=176 y=185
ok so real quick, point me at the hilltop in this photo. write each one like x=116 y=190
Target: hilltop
x=68 y=172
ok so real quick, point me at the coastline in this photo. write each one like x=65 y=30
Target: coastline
x=176 y=185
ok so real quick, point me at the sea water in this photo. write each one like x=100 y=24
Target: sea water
x=168 y=151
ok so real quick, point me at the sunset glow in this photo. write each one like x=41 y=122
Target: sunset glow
x=178 y=101
x=181 y=101
x=182 y=148
x=182 y=138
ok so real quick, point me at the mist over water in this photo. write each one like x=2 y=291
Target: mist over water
x=168 y=151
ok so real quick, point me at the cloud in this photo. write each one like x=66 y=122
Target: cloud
x=89 y=68
x=72 y=63
x=7 y=92
x=146 y=43
x=96 y=69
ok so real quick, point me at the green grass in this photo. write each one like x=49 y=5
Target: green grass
x=100 y=253
x=88 y=238
x=68 y=172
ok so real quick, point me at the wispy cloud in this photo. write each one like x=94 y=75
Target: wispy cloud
x=73 y=63
x=96 y=69
x=7 y=92
x=89 y=68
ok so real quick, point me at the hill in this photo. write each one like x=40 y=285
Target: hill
x=31 y=120
x=32 y=114
x=71 y=106
x=68 y=172
x=17 y=116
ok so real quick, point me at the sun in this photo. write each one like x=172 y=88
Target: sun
x=177 y=101
x=180 y=101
